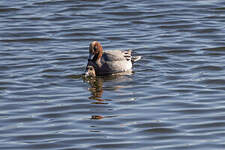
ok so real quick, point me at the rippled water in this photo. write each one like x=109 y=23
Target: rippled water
x=174 y=100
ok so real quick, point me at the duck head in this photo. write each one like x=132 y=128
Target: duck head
x=95 y=51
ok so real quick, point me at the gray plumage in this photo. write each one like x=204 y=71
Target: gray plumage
x=110 y=62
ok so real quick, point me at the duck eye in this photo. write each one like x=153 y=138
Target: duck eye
x=91 y=68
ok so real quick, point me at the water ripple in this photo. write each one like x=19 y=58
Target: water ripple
x=173 y=100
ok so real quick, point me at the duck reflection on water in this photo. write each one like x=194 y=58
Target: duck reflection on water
x=97 y=85
x=109 y=83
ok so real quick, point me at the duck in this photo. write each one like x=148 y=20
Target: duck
x=102 y=63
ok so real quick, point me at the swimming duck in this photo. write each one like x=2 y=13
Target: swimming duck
x=108 y=62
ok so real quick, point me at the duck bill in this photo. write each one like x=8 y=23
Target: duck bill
x=91 y=56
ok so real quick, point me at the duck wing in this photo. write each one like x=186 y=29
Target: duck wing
x=117 y=55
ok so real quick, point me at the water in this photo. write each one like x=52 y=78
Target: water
x=174 y=99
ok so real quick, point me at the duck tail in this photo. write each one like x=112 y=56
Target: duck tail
x=135 y=58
